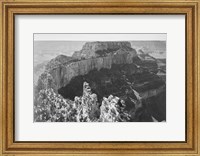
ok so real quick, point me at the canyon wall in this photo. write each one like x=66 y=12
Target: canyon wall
x=91 y=49
x=63 y=73
x=152 y=92
x=111 y=69
x=63 y=69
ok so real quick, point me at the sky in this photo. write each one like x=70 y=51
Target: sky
x=100 y=37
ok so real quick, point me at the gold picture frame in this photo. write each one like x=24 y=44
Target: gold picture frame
x=10 y=8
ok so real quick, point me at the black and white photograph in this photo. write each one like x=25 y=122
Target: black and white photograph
x=99 y=77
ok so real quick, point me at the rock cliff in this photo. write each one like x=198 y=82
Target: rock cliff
x=55 y=62
x=111 y=68
x=96 y=49
x=65 y=71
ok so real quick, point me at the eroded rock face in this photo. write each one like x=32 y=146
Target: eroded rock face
x=63 y=69
x=95 y=49
x=110 y=68
x=55 y=62
x=65 y=72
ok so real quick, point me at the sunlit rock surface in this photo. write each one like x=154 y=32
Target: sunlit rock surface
x=96 y=49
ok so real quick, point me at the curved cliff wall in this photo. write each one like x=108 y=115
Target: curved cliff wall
x=64 y=73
